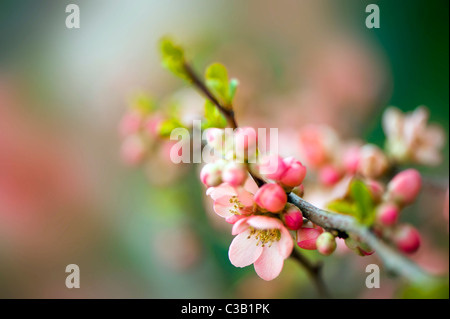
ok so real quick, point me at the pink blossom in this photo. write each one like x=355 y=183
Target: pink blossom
x=411 y=138
x=317 y=144
x=231 y=202
x=372 y=162
x=271 y=197
x=261 y=241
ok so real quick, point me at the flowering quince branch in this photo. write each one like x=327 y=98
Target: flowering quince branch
x=314 y=270
x=269 y=215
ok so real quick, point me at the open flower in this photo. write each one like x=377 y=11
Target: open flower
x=231 y=202
x=411 y=138
x=261 y=241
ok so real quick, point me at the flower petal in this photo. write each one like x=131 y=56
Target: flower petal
x=285 y=244
x=264 y=222
x=240 y=226
x=221 y=191
x=223 y=210
x=243 y=250
x=269 y=264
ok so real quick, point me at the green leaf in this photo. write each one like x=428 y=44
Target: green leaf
x=143 y=103
x=214 y=118
x=232 y=87
x=173 y=57
x=342 y=206
x=364 y=206
x=216 y=76
x=168 y=125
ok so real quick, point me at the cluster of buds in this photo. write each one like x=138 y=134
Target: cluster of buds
x=334 y=159
x=138 y=129
x=409 y=139
x=401 y=191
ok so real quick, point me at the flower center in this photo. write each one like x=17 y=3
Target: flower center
x=237 y=205
x=265 y=236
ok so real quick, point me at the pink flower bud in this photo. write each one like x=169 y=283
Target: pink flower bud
x=211 y=174
x=271 y=197
x=372 y=162
x=351 y=159
x=329 y=175
x=326 y=244
x=133 y=150
x=307 y=237
x=272 y=167
x=407 y=239
x=293 y=217
x=245 y=138
x=294 y=174
x=387 y=214
x=405 y=186
x=152 y=125
x=376 y=189
x=130 y=123
x=234 y=174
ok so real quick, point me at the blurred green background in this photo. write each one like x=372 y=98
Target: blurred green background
x=65 y=196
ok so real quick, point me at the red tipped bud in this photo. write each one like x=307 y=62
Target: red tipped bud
x=387 y=214
x=307 y=237
x=407 y=239
x=329 y=175
x=294 y=173
x=293 y=217
x=405 y=186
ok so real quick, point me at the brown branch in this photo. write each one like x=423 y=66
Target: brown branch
x=314 y=271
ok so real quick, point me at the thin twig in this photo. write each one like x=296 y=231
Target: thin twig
x=314 y=271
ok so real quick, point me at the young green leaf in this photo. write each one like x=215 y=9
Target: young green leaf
x=216 y=76
x=143 y=103
x=342 y=206
x=364 y=206
x=173 y=57
x=168 y=125
x=232 y=87
x=214 y=118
